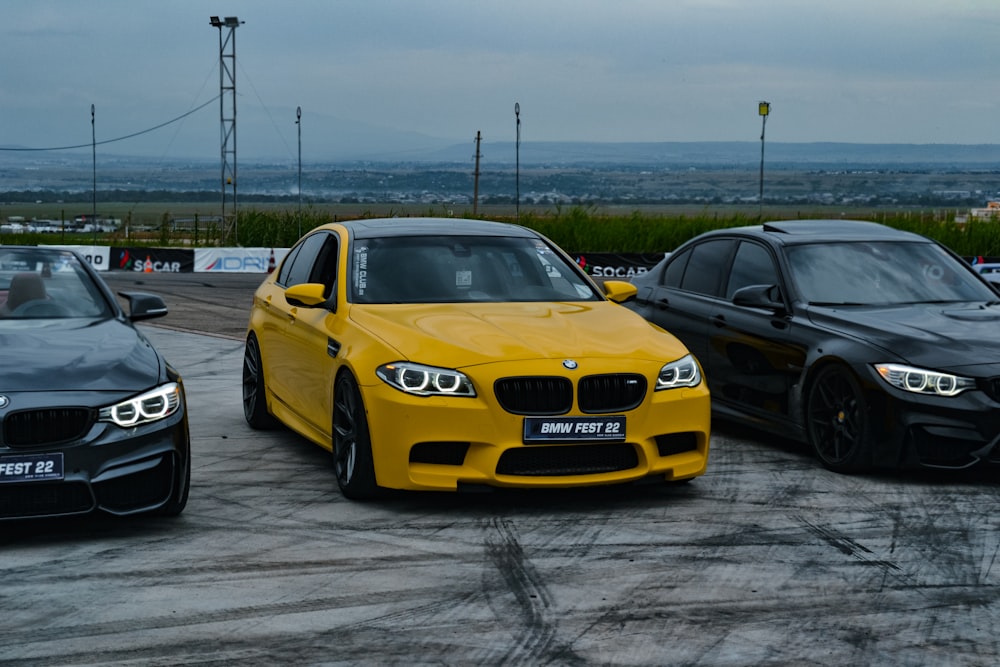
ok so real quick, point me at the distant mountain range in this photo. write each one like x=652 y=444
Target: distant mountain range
x=729 y=153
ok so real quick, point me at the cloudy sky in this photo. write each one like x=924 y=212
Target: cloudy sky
x=378 y=73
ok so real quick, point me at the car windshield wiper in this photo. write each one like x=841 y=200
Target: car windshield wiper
x=830 y=304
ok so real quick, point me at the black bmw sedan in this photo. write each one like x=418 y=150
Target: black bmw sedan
x=880 y=348
x=91 y=416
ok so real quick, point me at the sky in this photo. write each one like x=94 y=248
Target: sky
x=376 y=76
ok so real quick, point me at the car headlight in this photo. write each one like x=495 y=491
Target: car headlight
x=921 y=381
x=423 y=380
x=155 y=404
x=681 y=373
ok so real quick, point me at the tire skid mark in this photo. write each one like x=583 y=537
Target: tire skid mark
x=531 y=621
x=54 y=634
x=848 y=546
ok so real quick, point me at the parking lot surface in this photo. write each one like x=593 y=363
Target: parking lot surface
x=767 y=559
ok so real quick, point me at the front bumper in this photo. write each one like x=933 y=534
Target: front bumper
x=951 y=433
x=113 y=470
x=440 y=443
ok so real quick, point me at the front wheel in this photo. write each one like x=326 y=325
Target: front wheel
x=837 y=421
x=352 y=447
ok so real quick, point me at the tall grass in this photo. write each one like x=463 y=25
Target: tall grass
x=576 y=229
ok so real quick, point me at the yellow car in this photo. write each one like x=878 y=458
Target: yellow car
x=437 y=354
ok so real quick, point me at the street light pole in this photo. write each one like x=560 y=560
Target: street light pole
x=763 y=108
x=517 y=164
x=93 y=151
x=298 y=122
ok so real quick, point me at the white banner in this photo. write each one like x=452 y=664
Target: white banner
x=99 y=257
x=237 y=260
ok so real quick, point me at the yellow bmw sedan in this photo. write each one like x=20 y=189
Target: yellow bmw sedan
x=442 y=354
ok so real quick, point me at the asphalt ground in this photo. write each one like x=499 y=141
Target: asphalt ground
x=766 y=560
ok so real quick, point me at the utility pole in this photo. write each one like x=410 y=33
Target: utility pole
x=517 y=163
x=475 y=192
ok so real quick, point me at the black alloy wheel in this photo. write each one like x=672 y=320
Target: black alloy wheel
x=254 y=396
x=837 y=421
x=352 y=448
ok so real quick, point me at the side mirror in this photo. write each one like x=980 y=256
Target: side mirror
x=619 y=291
x=760 y=296
x=143 y=306
x=307 y=295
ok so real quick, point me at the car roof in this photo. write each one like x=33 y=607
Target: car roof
x=791 y=232
x=382 y=227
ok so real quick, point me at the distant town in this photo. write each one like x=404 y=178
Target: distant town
x=628 y=175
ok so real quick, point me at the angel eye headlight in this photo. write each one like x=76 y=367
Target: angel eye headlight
x=921 y=381
x=681 y=373
x=421 y=380
x=151 y=406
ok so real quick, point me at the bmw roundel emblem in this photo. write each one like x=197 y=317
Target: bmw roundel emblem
x=4 y=401
x=570 y=364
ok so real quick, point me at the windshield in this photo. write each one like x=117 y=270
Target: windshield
x=451 y=269
x=47 y=283
x=880 y=273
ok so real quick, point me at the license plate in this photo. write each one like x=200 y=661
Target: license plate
x=574 y=429
x=31 y=467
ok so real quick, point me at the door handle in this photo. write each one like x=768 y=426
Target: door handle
x=719 y=321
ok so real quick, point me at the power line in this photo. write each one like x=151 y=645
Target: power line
x=111 y=141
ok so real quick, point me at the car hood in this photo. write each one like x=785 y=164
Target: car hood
x=75 y=354
x=937 y=336
x=460 y=335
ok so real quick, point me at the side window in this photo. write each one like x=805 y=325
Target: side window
x=751 y=266
x=675 y=270
x=708 y=266
x=301 y=268
x=286 y=265
x=324 y=270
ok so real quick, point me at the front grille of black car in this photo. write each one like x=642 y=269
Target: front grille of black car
x=541 y=395
x=562 y=460
x=616 y=392
x=44 y=499
x=54 y=426
x=553 y=395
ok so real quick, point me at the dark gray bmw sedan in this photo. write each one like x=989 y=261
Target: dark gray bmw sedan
x=91 y=416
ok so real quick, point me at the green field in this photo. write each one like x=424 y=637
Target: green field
x=642 y=229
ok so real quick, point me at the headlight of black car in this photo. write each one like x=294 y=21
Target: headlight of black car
x=920 y=381
x=155 y=404
x=423 y=380
x=681 y=373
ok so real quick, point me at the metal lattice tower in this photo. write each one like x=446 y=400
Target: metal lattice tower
x=227 y=119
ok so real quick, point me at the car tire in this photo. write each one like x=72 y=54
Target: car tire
x=352 y=448
x=254 y=389
x=837 y=421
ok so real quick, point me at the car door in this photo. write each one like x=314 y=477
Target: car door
x=754 y=358
x=682 y=300
x=309 y=351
